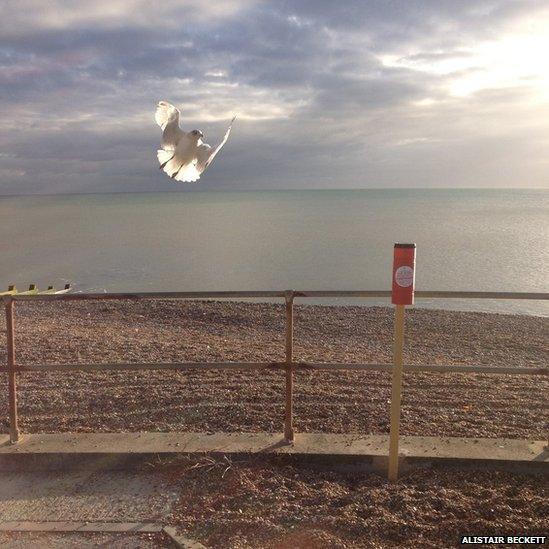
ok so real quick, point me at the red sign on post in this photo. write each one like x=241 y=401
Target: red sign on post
x=404 y=274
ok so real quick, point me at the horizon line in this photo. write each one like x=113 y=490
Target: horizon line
x=193 y=190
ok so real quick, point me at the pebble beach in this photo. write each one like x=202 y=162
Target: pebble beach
x=474 y=405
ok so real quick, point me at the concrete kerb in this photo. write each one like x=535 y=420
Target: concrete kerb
x=178 y=540
x=106 y=451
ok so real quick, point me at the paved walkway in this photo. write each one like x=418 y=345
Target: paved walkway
x=112 y=445
x=84 y=496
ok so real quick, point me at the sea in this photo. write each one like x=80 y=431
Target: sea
x=467 y=239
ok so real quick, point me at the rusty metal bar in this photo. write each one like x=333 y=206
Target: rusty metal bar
x=12 y=375
x=288 y=417
x=438 y=368
x=434 y=294
x=543 y=296
x=147 y=295
x=297 y=366
x=148 y=366
x=341 y=293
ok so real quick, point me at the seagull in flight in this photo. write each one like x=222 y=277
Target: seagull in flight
x=183 y=156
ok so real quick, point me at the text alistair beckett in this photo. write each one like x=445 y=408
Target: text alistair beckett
x=485 y=540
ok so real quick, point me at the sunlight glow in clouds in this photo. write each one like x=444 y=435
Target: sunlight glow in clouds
x=520 y=58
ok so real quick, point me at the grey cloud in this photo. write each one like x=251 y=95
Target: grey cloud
x=319 y=107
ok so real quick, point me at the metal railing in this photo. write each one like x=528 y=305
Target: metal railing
x=289 y=365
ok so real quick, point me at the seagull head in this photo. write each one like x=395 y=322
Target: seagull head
x=197 y=134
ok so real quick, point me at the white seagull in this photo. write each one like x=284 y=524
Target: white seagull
x=183 y=156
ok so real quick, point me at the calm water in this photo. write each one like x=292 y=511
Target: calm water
x=467 y=240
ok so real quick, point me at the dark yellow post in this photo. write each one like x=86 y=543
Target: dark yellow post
x=12 y=381
x=396 y=391
x=288 y=417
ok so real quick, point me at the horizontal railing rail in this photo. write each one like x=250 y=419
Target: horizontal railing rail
x=420 y=294
x=327 y=366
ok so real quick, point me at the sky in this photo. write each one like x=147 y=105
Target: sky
x=353 y=94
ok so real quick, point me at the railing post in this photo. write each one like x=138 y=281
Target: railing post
x=288 y=417
x=402 y=294
x=12 y=382
x=396 y=392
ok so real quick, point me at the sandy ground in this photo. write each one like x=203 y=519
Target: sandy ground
x=341 y=402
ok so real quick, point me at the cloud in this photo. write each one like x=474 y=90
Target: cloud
x=361 y=93
x=27 y=17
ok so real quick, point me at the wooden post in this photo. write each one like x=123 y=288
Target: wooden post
x=396 y=392
x=12 y=382
x=402 y=294
x=288 y=418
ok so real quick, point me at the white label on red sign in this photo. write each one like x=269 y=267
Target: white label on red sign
x=404 y=276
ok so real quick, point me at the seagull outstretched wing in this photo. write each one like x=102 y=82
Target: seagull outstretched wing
x=206 y=153
x=167 y=117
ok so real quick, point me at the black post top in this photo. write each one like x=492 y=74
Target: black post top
x=398 y=245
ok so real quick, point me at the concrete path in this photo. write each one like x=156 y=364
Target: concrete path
x=112 y=446
x=83 y=496
x=47 y=540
